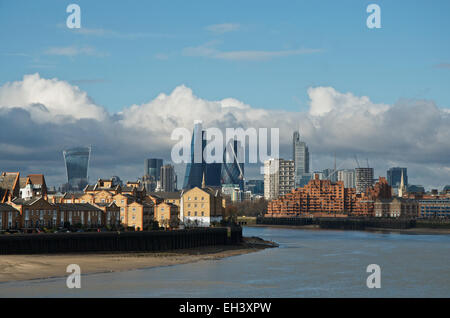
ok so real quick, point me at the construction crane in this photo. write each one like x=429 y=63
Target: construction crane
x=357 y=162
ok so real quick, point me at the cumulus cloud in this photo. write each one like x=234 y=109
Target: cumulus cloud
x=40 y=117
x=49 y=100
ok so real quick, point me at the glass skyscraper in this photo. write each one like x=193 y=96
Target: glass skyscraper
x=197 y=167
x=394 y=176
x=300 y=155
x=153 y=168
x=77 y=164
x=232 y=169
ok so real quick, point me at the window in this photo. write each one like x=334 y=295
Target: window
x=203 y=213
x=195 y=213
x=189 y=213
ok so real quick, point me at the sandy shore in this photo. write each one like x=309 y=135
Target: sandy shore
x=26 y=267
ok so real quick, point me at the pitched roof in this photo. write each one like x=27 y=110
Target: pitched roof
x=6 y=207
x=37 y=178
x=8 y=180
x=75 y=195
x=20 y=201
x=166 y=195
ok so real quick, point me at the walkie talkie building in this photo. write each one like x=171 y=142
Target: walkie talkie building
x=77 y=164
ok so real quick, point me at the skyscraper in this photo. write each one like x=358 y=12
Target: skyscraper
x=168 y=178
x=363 y=179
x=300 y=155
x=153 y=168
x=279 y=178
x=232 y=169
x=197 y=167
x=394 y=176
x=348 y=177
x=77 y=165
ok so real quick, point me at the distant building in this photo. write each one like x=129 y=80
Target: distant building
x=255 y=186
x=415 y=189
x=232 y=192
x=232 y=168
x=153 y=167
x=197 y=168
x=9 y=217
x=394 y=176
x=77 y=166
x=330 y=174
x=279 y=178
x=202 y=206
x=300 y=155
x=348 y=177
x=435 y=208
x=396 y=207
x=324 y=198
x=166 y=214
x=363 y=179
x=168 y=178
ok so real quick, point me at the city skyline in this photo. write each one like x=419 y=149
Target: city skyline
x=107 y=84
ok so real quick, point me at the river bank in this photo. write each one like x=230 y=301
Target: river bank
x=413 y=231
x=27 y=267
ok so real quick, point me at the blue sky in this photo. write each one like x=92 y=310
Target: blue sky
x=127 y=53
x=295 y=60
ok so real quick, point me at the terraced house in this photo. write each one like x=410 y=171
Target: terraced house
x=202 y=206
x=9 y=217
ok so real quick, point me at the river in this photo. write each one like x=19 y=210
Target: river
x=308 y=263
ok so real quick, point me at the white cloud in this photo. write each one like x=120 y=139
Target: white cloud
x=49 y=99
x=223 y=28
x=46 y=115
x=73 y=51
x=208 y=50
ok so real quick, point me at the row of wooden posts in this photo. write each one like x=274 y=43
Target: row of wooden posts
x=118 y=241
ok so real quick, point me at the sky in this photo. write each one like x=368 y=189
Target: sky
x=136 y=70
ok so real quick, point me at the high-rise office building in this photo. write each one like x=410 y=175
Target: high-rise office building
x=255 y=186
x=168 y=178
x=279 y=178
x=363 y=179
x=300 y=155
x=153 y=168
x=394 y=176
x=77 y=165
x=348 y=177
x=232 y=169
x=197 y=167
x=330 y=174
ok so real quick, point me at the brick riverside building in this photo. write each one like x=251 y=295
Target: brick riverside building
x=322 y=198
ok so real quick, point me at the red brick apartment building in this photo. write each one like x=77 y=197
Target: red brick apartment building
x=324 y=198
